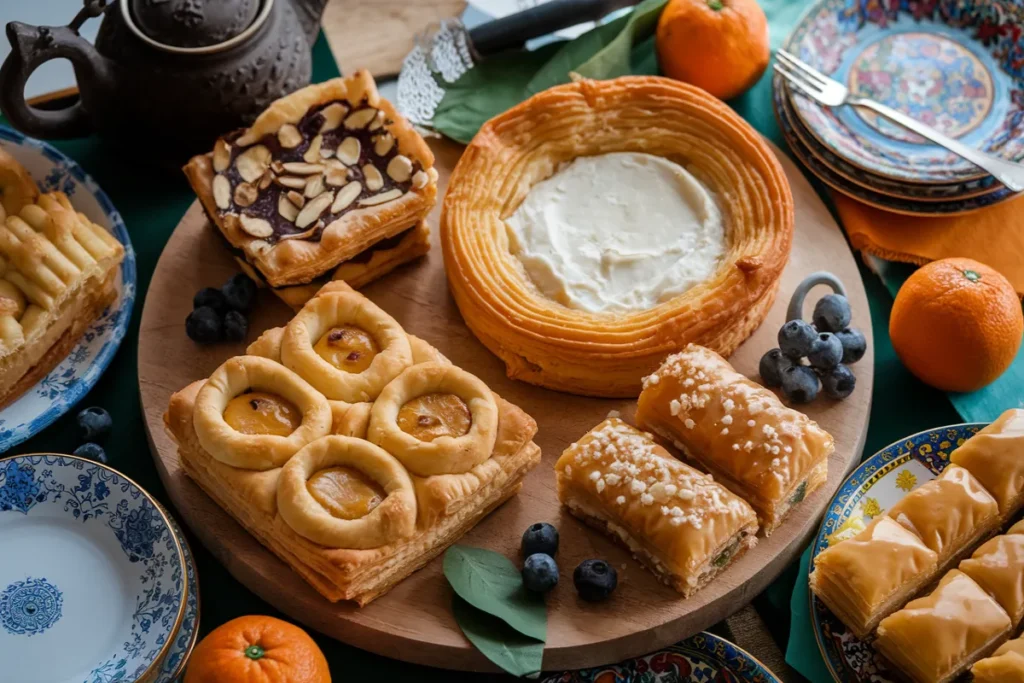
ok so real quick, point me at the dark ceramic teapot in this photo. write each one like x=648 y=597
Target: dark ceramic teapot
x=165 y=75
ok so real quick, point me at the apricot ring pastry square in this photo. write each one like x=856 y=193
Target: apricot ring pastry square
x=545 y=342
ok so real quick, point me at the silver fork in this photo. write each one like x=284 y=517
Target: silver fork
x=831 y=93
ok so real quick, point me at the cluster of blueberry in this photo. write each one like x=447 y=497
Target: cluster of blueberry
x=594 y=579
x=829 y=345
x=94 y=424
x=220 y=314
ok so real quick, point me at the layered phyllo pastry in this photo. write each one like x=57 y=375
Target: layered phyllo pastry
x=936 y=638
x=351 y=449
x=1006 y=665
x=998 y=567
x=678 y=522
x=57 y=275
x=768 y=454
x=995 y=456
x=324 y=181
x=867 y=577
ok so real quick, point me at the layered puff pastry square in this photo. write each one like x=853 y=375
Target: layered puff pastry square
x=57 y=275
x=995 y=456
x=768 y=454
x=1006 y=665
x=998 y=567
x=677 y=521
x=352 y=450
x=319 y=178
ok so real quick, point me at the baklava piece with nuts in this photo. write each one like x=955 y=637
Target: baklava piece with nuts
x=676 y=521
x=321 y=178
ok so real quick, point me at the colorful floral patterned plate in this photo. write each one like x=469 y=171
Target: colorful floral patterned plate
x=93 y=579
x=704 y=657
x=876 y=485
x=73 y=377
x=185 y=639
x=957 y=65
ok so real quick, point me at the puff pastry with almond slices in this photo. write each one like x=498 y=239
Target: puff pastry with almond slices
x=57 y=275
x=770 y=455
x=1006 y=665
x=322 y=180
x=352 y=450
x=677 y=521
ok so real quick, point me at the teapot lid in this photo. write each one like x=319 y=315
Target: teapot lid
x=194 y=25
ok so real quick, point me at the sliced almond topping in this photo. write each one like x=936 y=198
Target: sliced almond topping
x=287 y=210
x=302 y=235
x=419 y=179
x=381 y=198
x=295 y=198
x=257 y=227
x=400 y=168
x=378 y=121
x=258 y=247
x=333 y=114
x=374 y=180
x=231 y=222
x=336 y=176
x=348 y=151
x=383 y=144
x=314 y=186
x=221 y=191
x=313 y=208
x=246 y=194
x=326 y=153
x=301 y=168
x=291 y=181
x=289 y=136
x=221 y=156
x=252 y=163
x=358 y=119
x=312 y=155
x=277 y=167
x=346 y=196
x=265 y=180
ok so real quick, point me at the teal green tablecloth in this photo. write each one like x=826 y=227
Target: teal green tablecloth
x=151 y=209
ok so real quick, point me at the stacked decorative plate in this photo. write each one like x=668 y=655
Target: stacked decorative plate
x=957 y=65
x=97 y=582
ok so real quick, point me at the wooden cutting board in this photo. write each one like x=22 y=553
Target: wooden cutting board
x=414 y=622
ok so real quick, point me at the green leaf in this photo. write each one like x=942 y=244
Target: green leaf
x=490 y=582
x=512 y=651
x=571 y=54
x=613 y=59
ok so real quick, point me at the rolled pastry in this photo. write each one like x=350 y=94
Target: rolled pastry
x=1006 y=665
x=995 y=456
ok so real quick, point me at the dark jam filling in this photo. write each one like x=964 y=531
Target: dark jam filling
x=265 y=206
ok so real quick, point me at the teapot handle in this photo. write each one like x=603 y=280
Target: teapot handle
x=31 y=46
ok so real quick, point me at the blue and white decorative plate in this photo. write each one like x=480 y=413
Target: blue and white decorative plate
x=69 y=381
x=880 y=482
x=186 y=637
x=703 y=658
x=957 y=65
x=93 y=579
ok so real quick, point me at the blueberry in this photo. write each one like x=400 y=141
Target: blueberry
x=826 y=351
x=235 y=326
x=796 y=337
x=854 y=344
x=540 y=538
x=595 y=580
x=838 y=382
x=204 y=325
x=832 y=313
x=540 y=573
x=771 y=367
x=240 y=293
x=92 y=451
x=95 y=423
x=800 y=384
x=212 y=297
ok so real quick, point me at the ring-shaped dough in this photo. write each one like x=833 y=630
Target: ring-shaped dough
x=445 y=454
x=345 y=308
x=257 y=451
x=393 y=519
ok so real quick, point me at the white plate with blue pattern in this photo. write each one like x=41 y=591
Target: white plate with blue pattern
x=93 y=583
x=74 y=376
x=185 y=640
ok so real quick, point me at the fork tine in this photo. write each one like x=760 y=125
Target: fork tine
x=804 y=67
x=807 y=88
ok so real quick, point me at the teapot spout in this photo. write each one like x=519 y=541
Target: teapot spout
x=309 y=13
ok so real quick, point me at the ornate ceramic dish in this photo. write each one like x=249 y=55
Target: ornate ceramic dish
x=703 y=657
x=56 y=393
x=874 y=487
x=91 y=570
x=957 y=65
x=187 y=635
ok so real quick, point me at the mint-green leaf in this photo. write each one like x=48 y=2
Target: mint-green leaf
x=490 y=582
x=512 y=651
x=571 y=54
x=613 y=59
x=644 y=59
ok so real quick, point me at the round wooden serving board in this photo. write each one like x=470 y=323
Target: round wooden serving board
x=414 y=621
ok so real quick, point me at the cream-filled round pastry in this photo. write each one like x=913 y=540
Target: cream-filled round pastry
x=622 y=231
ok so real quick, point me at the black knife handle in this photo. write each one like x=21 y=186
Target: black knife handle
x=515 y=29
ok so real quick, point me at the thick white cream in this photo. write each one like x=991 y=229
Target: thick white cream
x=617 y=232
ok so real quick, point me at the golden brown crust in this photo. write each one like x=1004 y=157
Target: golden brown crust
x=16 y=186
x=604 y=354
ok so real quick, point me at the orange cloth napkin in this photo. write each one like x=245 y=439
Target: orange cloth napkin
x=994 y=236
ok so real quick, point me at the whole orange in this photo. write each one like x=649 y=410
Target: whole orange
x=718 y=45
x=956 y=324
x=257 y=649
